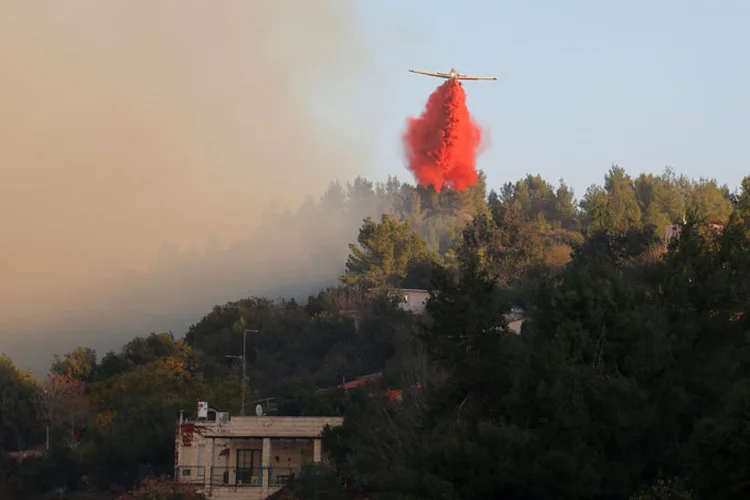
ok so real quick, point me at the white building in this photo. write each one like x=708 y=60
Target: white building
x=246 y=457
x=671 y=232
x=411 y=299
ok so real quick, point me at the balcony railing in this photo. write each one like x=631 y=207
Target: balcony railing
x=236 y=476
x=280 y=479
x=231 y=476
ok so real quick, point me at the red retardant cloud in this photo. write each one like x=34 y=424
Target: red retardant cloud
x=441 y=145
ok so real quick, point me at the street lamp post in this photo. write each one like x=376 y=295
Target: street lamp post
x=244 y=369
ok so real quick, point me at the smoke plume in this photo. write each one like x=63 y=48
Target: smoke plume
x=442 y=145
x=153 y=156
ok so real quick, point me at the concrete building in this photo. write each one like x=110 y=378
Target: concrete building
x=673 y=231
x=414 y=300
x=411 y=299
x=515 y=319
x=246 y=457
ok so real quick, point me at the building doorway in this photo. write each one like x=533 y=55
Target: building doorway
x=248 y=465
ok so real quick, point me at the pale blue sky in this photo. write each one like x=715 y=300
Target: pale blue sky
x=582 y=83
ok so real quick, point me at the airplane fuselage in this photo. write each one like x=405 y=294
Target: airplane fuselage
x=452 y=75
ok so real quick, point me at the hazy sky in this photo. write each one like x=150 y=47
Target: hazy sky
x=133 y=128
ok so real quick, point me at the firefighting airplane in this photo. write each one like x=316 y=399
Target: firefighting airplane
x=453 y=75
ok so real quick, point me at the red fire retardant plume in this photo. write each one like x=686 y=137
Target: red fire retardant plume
x=442 y=144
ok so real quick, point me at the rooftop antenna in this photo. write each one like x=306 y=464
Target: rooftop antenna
x=244 y=364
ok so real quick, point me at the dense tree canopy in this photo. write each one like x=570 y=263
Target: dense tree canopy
x=18 y=410
x=629 y=379
x=387 y=251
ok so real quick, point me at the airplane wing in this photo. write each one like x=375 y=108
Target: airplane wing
x=473 y=78
x=438 y=75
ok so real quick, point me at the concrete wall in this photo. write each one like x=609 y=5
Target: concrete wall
x=515 y=325
x=294 y=427
x=413 y=299
x=287 y=456
x=671 y=232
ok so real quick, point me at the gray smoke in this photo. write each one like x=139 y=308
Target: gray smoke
x=149 y=151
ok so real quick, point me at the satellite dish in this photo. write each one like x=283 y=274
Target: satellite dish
x=259 y=410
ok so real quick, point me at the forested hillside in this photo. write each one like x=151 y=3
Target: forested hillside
x=629 y=379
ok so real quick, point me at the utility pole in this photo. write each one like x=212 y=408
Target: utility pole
x=46 y=423
x=244 y=367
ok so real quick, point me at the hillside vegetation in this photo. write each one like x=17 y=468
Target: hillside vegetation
x=630 y=378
